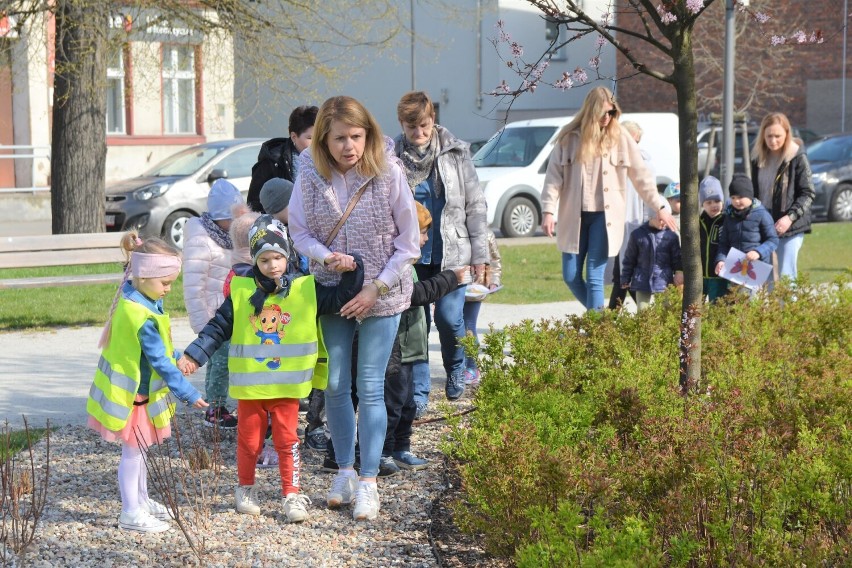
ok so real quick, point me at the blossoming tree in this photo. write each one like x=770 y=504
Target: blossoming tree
x=661 y=46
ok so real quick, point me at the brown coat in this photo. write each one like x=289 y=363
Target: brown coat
x=563 y=185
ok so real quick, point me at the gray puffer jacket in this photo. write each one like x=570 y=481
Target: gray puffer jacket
x=463 y=220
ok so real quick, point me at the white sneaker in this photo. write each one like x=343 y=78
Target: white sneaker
x=366 y=502
x=156 y=510
x=295 y=507
x=142 y=521
x=342 y=490
x=245 y=501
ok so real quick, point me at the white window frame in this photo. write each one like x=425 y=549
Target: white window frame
x=117 y=74
x=173 y=78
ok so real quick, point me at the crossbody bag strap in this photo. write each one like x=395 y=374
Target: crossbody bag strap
x=352 y=203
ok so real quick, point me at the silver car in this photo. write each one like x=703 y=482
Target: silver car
x=161 y=200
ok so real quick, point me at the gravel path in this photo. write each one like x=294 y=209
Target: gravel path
x=80 y=525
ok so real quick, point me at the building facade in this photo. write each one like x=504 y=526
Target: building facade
x=167 y=86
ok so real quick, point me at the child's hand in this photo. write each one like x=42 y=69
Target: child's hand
x=720 y=266
x=200 y=403
x=187 y=365
x=752 y=255
x=340 y=262
x=492 y=286
x=625 y=286
x=678 y=278
x=462 y=274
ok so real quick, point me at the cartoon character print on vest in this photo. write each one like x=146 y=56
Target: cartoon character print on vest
x=269 y=325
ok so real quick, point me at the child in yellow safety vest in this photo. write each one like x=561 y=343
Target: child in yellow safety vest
x=276 y=355
x=129 y=399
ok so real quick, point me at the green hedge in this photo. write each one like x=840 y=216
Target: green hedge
x=583 y=452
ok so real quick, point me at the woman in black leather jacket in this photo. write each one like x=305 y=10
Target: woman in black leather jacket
x=781 y=176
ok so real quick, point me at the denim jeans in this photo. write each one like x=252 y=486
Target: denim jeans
x=422 y=381
x=593 y=250
x=449 y=320
x=788 y=255
x=471 y=314
x=376 y=336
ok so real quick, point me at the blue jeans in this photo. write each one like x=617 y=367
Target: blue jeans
x=594 y=247
x=375 y=341
x=422 y=381
x=449 y=320
x=471 y=314
x=788 y=255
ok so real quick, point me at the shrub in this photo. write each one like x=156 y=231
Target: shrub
x=584 y=453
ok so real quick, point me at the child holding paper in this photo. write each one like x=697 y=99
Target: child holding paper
x=748 y=225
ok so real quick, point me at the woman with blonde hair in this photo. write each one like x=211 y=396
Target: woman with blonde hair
x=585 y=185
x=351 y=197
x=781 y=176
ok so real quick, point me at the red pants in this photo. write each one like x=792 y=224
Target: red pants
x=251 y=431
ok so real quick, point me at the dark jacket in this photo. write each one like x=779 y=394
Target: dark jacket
x=412 y=333
x=792 y=194
x=709 y=230
x=748 y=230
x=651 y=259
x=220 y=327
x=275 y=159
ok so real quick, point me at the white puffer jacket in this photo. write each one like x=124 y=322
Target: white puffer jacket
x=205 y=267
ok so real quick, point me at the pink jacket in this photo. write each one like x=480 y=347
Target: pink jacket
x=563 y=193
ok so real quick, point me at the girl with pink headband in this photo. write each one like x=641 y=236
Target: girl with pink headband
x=131 y=399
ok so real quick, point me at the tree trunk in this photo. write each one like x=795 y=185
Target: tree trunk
x=78 y=147
x=690 y=326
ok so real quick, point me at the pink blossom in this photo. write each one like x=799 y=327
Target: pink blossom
x=694 y=6
x=539 y=70
x=799 y=36
x=517 y=49
x=665 y=16
x=594 y=62
x=761 y=17
x=600 y=42
x=502 y=88
x=778 y=40
x=565 y=82
x=580 y=75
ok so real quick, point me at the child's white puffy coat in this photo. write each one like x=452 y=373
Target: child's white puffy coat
x=205 y=267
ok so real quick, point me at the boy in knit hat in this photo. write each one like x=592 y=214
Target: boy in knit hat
x=710 y=225
x=277 y=355
x=748 y=225
x=207 y=260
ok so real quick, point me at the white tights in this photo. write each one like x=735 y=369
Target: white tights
x=132 y=478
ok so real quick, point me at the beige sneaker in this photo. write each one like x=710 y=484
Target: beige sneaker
x=366 y=502
x=342 y=490
x=141 y=520
x=295 y=507
x=156 y=510
x=245 y=501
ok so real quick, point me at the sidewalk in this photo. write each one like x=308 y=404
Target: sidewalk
x=47 y=374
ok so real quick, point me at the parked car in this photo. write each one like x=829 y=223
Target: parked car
x=512 y=164
x=831 y=166
x=714 y=154
x=160 y=201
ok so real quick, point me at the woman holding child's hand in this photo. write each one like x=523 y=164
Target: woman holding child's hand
x=349 y=168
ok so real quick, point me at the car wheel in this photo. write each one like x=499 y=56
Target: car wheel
x=173 y=228
x=520 y=218
x=841 y=204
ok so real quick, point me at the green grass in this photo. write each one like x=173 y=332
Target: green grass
x=67 y=305
x=532 y=274
x=16 y=441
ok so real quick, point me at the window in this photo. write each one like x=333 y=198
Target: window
x=513 y=147
x=115 y=115
x=178 y=89
x=239 y=163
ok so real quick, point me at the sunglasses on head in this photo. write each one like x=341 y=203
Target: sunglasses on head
x=611 y=113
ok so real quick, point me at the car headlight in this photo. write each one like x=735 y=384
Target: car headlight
x=150 y=191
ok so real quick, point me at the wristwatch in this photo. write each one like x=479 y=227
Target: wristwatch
x=381 y=287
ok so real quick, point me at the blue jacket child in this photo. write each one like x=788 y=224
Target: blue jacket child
x=651 y=258
x=748 y=225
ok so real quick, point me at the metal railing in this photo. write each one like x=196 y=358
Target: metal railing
x=35 y=153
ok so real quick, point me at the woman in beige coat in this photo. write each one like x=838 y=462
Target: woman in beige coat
x=586 y=179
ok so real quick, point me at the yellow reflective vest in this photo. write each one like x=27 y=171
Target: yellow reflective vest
x=118 y=376
x=278 y=353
